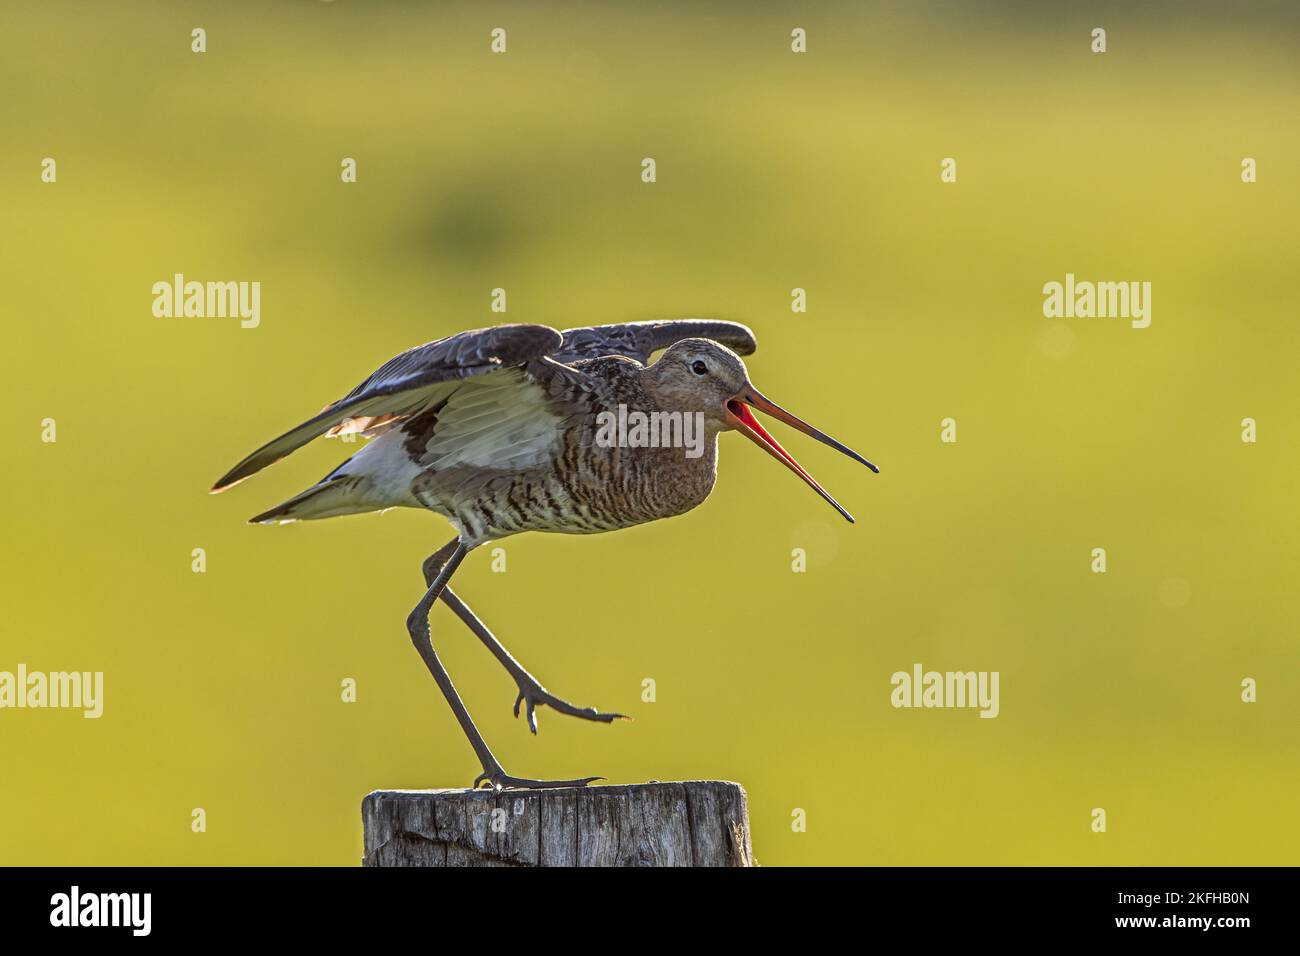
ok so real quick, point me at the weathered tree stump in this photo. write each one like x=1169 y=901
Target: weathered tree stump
x=695 y=823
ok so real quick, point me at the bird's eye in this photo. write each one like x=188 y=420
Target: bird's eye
x=699 y=368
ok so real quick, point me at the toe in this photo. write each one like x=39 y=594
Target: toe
x=532 y=717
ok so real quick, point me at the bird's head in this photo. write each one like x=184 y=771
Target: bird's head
x=702 y=375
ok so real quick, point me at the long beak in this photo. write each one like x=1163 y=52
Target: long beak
x=744 y=422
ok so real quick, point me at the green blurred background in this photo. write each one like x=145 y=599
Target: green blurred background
x=775 y=170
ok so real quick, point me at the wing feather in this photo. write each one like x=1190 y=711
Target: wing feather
x=640 y=340
x=502 y=422
x=407 y=384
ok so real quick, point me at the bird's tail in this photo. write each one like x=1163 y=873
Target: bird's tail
x=344 y=495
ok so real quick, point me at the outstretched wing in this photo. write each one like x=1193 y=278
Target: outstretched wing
x=639 y=340
x=408 y=384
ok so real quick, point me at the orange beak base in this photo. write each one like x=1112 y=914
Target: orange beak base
x=744 y=422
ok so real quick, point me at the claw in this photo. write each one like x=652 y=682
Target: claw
x=531 y=711
x=500 y=780
x=538 y=696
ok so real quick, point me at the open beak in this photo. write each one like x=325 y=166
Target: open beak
x=742 y=419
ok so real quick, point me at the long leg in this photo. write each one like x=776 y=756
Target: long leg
x=531 y=691
x=418 y=626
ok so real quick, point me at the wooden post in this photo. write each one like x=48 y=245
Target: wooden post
x=695 y=823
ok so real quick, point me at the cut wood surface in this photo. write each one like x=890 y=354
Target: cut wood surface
x=692 y=823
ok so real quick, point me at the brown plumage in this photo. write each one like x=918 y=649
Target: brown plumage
x=522 y=428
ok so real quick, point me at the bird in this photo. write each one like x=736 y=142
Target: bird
x=521 y=427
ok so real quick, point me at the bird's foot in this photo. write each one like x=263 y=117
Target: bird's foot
x=498 y=779
x=534 y=695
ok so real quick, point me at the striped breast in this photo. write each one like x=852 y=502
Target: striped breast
x=505 y=454
x=583 y=488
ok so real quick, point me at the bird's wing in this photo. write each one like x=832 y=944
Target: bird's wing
x=409 y=384
x=640 y=340
x=510 y=421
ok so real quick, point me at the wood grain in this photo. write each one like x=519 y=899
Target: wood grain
x=692 y=823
